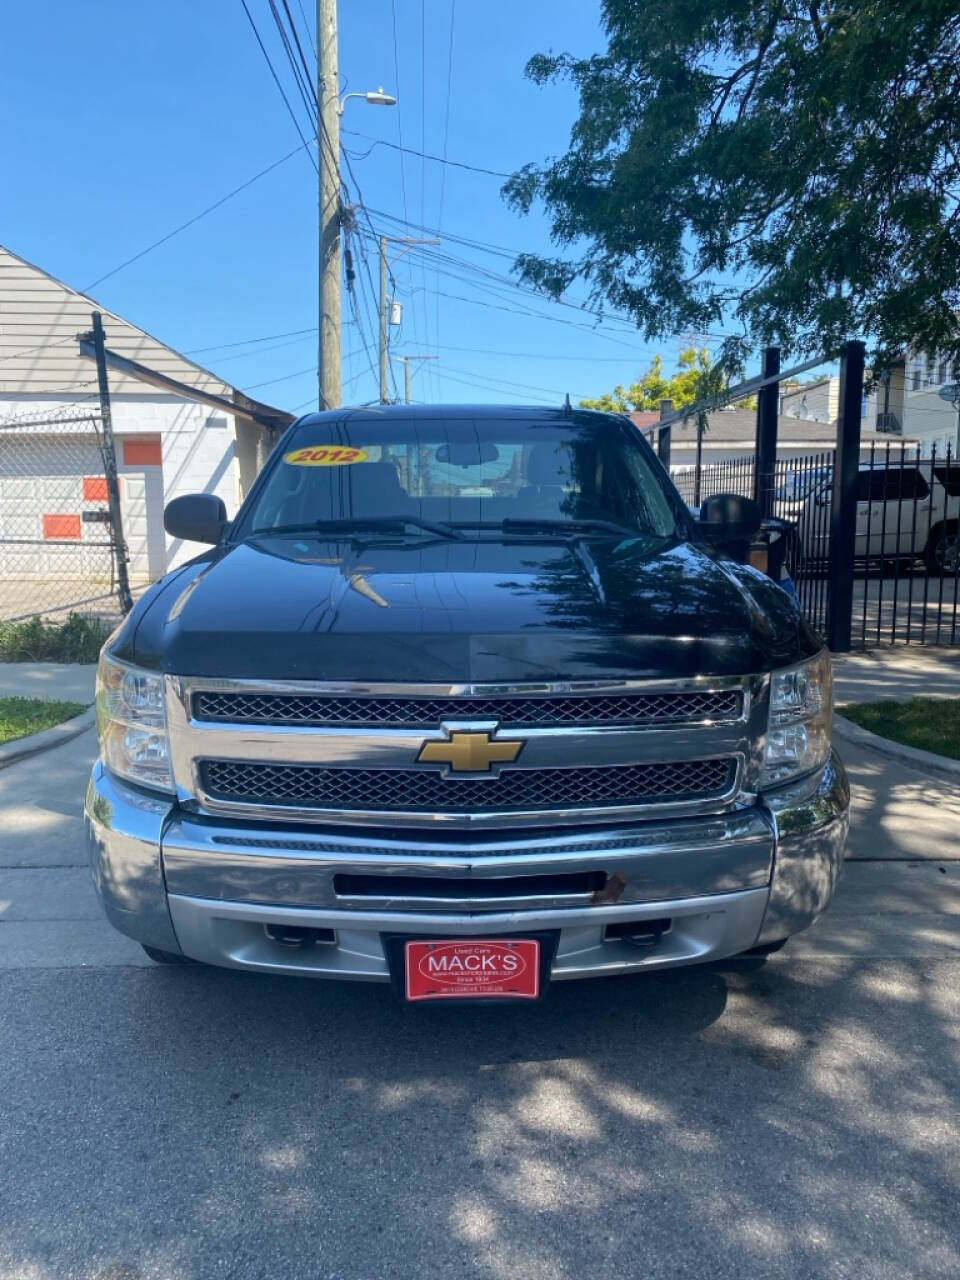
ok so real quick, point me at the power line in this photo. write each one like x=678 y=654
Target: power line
x=276 y=80
x=479 y=386
x=507 y=385
x=402 y=150
x=202 y=214
x=532 y=355
x=313 y=43
x=443 y=171
x=426 y=155
x=301 y=75
x=246 y=342
x=285 y=377
x=533 y=315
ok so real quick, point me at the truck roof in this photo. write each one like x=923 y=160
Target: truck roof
x=420 y=412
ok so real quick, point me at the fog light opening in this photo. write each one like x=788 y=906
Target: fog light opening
x=298 y=937
x=638 y=933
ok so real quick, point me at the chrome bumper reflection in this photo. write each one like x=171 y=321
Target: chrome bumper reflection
x=726 y=882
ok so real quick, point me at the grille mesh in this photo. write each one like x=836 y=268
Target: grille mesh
x=397 y=712
x=319 y=787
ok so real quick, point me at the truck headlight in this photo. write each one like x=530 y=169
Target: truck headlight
x=801 y=710
x=132 y=722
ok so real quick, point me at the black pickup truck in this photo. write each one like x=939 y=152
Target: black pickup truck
x=464 y=699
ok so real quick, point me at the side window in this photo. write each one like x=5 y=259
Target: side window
x=870 y=486
x=891 y=485
x=910 y=484
x=949 y=477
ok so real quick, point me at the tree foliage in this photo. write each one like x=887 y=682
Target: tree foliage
x=685 y=386
x=791 y=165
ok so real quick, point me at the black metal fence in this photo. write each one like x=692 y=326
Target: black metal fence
x=906 y=552
x=906 y=548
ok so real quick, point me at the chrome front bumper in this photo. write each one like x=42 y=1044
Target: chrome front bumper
x=207 y=887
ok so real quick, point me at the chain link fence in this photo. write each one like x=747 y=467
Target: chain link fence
x=57 y=543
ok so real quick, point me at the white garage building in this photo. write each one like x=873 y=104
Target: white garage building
x=186 y=437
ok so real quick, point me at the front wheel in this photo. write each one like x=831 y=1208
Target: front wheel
x=940 y=553
x=164 y=957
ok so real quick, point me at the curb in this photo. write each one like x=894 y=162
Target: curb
x=926 y=761
x=46 y=739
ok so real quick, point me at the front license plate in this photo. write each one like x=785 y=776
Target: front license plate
x=437 y=969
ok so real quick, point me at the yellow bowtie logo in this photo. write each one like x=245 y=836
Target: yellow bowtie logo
x=468 y=752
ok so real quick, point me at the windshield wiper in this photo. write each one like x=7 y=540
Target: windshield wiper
x=353 y=524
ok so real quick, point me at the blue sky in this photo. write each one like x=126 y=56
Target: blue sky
x=121 y=121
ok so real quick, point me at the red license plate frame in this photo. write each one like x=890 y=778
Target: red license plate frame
x=472 y=968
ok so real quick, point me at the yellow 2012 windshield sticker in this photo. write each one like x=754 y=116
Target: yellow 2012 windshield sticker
x=325 y=455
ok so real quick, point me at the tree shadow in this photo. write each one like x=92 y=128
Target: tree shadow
x=780 y=1119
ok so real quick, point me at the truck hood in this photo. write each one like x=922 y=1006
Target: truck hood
x=308 y=608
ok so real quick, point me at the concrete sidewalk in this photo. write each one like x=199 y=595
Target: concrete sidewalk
x=898 y=672
x=70 y=681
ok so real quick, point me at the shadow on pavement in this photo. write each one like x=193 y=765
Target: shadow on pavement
x=787 y=1119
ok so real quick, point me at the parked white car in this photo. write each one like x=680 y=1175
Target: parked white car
x=904 y=511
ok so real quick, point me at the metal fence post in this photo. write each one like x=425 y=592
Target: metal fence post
x=843 y=510
x=663 y=435
x=110 y=467
x=768 y=412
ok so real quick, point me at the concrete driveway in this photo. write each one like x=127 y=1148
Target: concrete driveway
x=797 y=1118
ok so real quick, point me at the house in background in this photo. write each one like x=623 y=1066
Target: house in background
x=906 y=404
x=732 y=433
x=168 y=441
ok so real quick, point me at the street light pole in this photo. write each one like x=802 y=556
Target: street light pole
x=328 y=105
x=384 y=322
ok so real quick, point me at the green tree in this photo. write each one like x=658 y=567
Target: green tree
x=791 y=165
x=697 y=378
x=683 y=388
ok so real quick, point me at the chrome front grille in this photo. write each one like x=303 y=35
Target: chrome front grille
x=687 y=707
x=354 y=754
x=423 y=791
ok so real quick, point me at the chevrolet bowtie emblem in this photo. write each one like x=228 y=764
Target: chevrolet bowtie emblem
x=468 y=752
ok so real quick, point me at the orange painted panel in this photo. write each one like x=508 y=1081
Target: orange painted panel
x=95 y=489
x=61 y=526
x=146 y=452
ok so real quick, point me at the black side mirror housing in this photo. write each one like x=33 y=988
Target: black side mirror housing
x=196 y=517
x=769 y=549
x=729 y=522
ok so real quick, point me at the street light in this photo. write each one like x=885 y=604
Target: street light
x=376 y=98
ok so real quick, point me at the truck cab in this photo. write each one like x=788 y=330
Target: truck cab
x=464 y=699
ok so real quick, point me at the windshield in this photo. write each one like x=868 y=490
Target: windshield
x=463 y=472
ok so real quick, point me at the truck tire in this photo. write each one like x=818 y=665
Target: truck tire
x=164 y=957
x=942 y=538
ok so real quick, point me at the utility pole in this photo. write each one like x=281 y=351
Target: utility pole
x=110 y=466
x=328 y=148
x=385 y=327
x=407 y=242
x=407 y=399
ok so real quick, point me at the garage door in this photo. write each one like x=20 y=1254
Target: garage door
x=42 y=501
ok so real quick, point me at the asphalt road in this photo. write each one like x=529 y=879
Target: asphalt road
x=796 y=1119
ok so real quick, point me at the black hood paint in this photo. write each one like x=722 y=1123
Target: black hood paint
x=308 y=608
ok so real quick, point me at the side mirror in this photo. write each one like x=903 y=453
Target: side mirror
x=727 y=516
x=729 y=522
x=196 y=517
